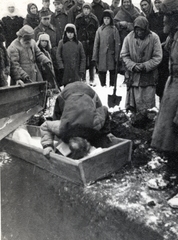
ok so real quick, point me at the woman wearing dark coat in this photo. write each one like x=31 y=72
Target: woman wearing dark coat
x=87 y=24
x=11 y=22
x=32 y=18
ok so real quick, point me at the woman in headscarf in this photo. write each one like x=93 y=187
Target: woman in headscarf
x=155 y=19
x=32 y=19
x=125 y=17
x=11 y=22
x=141 y=53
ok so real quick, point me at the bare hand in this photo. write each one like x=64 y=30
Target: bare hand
x=20 y=83
x=47 y=151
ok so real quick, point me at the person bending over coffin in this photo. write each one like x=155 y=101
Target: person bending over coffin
x=79 y=119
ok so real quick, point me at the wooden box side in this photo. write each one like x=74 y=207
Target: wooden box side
x=61 y=166
x=109 y=161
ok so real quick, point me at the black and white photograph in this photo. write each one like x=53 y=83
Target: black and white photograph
x=89 y=120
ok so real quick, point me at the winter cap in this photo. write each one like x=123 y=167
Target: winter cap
x=44 y=37
x=169 y=6
x=86 y=5
x=26 y=32
x=45 y=14
x=70 y=28
x=108 y=13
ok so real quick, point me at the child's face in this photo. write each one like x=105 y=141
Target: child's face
x=44 y=43
x=157 y=4
x=106 y=20
x=86 y=11
x=33 y=9
x=11 y=9
x=70 y=35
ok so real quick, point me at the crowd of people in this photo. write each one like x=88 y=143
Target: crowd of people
x=140 y=43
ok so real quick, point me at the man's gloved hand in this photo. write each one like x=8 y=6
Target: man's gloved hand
x=47 y=150
x=20 y=83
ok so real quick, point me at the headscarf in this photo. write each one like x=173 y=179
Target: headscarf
x=127 y=15
x=15 y=13
x=29 y=12
x=142 y=23
x=150 y=7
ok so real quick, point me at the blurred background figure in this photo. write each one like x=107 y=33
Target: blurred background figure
x=98 y=7
x=87 y=24
x=75 y=10
x=32 y=18
x=115 y=6
x=46 y=4
x=4 y=63
x=12 y=22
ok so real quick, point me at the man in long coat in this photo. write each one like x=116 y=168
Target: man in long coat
x=24 y=56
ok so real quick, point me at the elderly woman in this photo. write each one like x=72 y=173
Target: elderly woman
x=12 y=22
x=125 y=17
x=141 y=53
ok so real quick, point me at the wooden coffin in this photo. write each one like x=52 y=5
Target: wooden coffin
x=84 y=171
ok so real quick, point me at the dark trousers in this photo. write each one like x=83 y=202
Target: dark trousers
x=102 y=77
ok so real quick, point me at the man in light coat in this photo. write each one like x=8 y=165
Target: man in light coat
x=24 y=56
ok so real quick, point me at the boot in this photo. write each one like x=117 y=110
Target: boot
x=102 y=77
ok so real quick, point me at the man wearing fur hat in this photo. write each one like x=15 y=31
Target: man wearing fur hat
x=165 y=135
x=87 y=24
x=24 y=56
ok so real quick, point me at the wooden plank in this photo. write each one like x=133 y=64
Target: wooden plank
x=58 y=165
x=109 y=161
x=18 y=106
x=9 y=124
x=16 y=93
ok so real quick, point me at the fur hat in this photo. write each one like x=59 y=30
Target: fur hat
x=169 y=6
x=45 y=37
x=87 y=5
x=26 y=31
x=70 y=26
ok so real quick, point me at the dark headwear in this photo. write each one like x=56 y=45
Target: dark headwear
x=70 y=28
x=108 y=13
x=142 y=23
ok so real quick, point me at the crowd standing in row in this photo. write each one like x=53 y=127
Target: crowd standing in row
x=80 y=36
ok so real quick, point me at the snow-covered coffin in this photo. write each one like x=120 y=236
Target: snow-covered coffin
x=84 y=171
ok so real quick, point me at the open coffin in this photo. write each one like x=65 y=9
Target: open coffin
x=28 y=101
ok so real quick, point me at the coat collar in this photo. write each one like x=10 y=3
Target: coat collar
x=42 y=27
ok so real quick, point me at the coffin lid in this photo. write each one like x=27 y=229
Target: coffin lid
x=18 y=104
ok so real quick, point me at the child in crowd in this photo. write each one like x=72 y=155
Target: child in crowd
x=4 y=63
x=32 y=19
x=44 y=45
x=106 y=48
x=71 y=56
